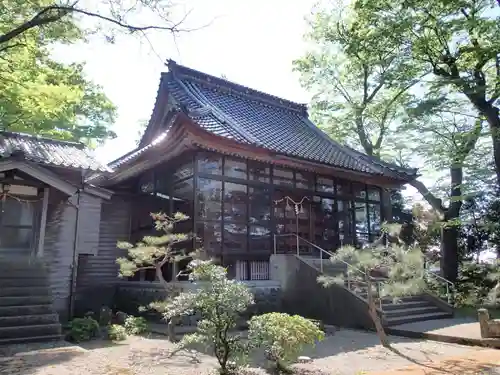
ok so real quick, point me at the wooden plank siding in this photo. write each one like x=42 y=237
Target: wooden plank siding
x=98 y=274
x=58 y=248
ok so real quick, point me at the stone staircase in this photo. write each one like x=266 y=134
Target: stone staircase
x=404 y=310
x=26 y=312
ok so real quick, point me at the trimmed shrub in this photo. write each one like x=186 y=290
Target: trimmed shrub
x=283 y=337
x=116 y=332
x=136 y=325
x=82 y=329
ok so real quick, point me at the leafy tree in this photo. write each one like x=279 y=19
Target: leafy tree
x=359 y=86
x=220 y=302
x=41 y=96
x=283 y=337
x=366 y=93
x=403 y=267
x=153 y=252
x=459 y=41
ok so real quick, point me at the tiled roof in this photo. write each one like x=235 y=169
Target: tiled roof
x=49 y=151
x=253 y=117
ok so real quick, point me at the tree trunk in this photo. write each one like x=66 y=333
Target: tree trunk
x=372 y=311
x=492 y=116
x=451 y=227
x=168 y=289
x=494 y=122
x=449 y=252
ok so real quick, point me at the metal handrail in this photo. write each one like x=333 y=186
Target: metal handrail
x=448 y=284
x=375 y=281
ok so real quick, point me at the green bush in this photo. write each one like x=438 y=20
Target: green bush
x=136 y=325
x=116 y=332
x=283 y=337
x=82 y=329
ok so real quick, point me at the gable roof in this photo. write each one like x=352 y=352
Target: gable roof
x=252 y=117
x=249 y=116
x=49 y=151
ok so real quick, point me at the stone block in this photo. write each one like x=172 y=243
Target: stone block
x=489 y=328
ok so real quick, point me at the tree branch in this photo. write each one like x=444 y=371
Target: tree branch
x=434 y=201
x=496 y=91
x=55 y=13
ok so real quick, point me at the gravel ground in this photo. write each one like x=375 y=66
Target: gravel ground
x=347 y=352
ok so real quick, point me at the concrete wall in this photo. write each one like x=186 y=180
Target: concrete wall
x=302 y=294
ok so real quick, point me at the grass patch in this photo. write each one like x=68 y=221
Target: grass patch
x=468 y=311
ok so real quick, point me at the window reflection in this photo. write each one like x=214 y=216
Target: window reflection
x=259 y=171
x=209 y=196
x=259 y=204
x=374 y=215
x=235 y=237
x=325 y=185
x=236 y=168
x=235 y=202
x=209 y=236
x=361 y=217
x=210 y=163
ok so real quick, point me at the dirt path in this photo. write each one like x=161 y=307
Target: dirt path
x=484 y=362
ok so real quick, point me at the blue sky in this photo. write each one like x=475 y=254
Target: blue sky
x=250 y=42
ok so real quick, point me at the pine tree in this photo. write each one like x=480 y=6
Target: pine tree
x=153 y=252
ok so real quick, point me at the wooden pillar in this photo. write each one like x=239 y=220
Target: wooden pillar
x=43 y=223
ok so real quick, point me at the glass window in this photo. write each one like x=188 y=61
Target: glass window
x=183 y=171
x=259 y=204
x=260 y=238
x=258 y=171
x=359 y=190
x=235 y=202
x=209 y=236
x=210 y=163
x=209 y=194
x=344 y=216
x=282 y=177
x=325 y=185
x=375 y=220
x=146 y=183
x=304 y=180
x=343 y=187
x=184 y=190
x=17 y=219
x=235 y=237
x=17 y=213
x=374 y=194
x=361 y=217
x=16 y=238
x=236 y=168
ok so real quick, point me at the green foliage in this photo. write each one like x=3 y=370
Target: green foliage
x=117 y=332
x=82 y=329
x=219 y=302
x=136 y=325
x=154 y=251
x=41 y=96
x=476 y=283
x=358 y=94
x=283 y=336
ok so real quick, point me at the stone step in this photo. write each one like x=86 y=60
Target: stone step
x=22 y=274
x=387 y=306
x=22 y=340
x=418 y=318
x=30 y=331
x=390 y=300
x=27 y=320
x=20 y=291
x=25 y=310
x=24 y=282
x=411 y=311
x=25 y=300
